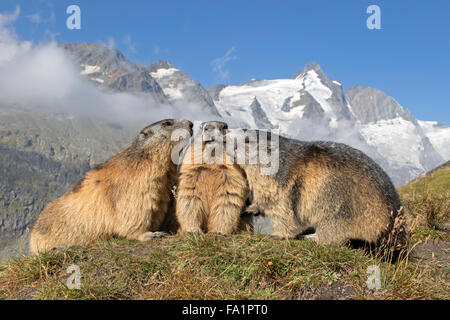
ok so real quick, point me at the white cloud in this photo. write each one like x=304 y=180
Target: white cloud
x=131 y=47
x=35 y=18
x=319 y=130
x=7 y=18
x=38 y=18
x=51 y=35
x=218 y=65
x=111 y=43
x=45 y=77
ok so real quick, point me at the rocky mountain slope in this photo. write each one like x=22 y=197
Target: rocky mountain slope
x=394 y=132
x=42 y=155
x=108 y=69
x=180 y=88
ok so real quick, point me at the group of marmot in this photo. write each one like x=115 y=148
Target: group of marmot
x=166 y=182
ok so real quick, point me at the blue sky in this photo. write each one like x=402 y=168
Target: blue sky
x=408 y=58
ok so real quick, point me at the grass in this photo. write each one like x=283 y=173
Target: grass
x=245 y=266
x=436 y=182
x=427 y=202
x=242 y=266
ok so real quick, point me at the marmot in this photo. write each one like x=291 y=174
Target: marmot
x=331 y=188
x=211 y=191
x=127 y=196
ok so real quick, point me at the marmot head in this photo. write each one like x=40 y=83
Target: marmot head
x=167 y=132
x=213 y=131
x=208 y=142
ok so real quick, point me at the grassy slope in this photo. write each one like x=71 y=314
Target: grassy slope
x=246 y=266
x=428 y=202
x=436 y=182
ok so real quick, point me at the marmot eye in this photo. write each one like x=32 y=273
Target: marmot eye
x=166 y=123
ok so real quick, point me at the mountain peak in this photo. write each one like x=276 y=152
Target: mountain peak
x=160 y=64
x=99 y=50
x=313 y=65
x=371 y=105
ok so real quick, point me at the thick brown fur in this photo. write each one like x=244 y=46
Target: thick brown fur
x=210 y=195
x=127 y=196
x=329 y=187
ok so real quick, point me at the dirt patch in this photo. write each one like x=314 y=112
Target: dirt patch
x=437 y=252
x=142 y=249
x=336 y=291
x=339 y=290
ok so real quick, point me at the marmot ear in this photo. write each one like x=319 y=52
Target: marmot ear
x=146 y=134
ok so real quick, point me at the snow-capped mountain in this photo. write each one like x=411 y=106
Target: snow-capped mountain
x=438 y=134
x=394 y=132
x=108 y=69
x=312 y=106
x=179 y=88
x=309 y=95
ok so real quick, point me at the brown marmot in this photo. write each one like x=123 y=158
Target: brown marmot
x=211 y=192
x=336 y=191
x=127 y=196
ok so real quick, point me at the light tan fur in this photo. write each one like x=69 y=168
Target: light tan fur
x=210 y=196
x=127 y=196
